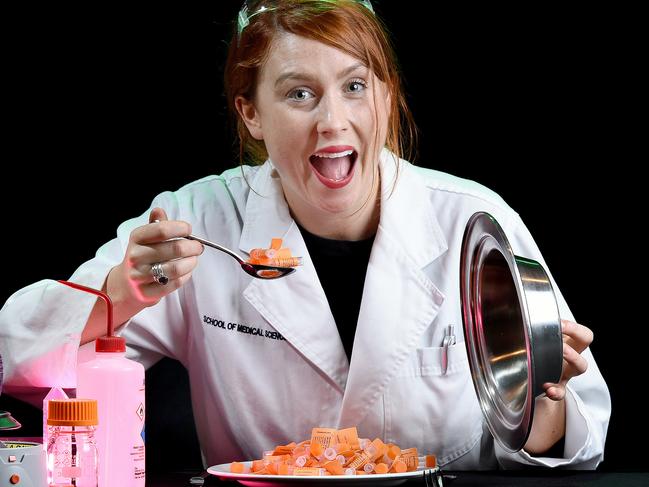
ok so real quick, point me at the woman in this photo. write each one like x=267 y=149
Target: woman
x=352 y=337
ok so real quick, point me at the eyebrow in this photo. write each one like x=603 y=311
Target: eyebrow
x=308 y=77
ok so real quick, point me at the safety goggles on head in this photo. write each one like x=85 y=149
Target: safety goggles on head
x=251 y=8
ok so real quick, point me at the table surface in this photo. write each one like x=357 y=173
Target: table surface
x=535 y=478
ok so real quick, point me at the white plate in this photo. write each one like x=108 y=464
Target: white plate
x=223 y=472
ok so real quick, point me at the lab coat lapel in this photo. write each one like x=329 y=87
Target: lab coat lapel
x=296 y=305
x=399 y=300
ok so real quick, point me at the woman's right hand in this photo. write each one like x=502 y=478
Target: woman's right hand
x=131 y=285
x=132 y=282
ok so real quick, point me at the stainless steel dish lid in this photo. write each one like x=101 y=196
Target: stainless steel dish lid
x=512 y=329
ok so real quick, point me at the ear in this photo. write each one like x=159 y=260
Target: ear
x=250 y=116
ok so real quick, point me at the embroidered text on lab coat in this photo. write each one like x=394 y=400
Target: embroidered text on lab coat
x=250 y=330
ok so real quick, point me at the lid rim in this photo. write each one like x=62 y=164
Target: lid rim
x=482 y=236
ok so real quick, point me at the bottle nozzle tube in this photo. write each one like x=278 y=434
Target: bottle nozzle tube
x=109 y=303
x=109 y=343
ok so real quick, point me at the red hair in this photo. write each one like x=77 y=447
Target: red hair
x=343 y=24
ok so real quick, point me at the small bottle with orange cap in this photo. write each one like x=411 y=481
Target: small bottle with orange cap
x=71 y=449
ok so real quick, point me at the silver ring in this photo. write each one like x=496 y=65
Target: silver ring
x=158 y=274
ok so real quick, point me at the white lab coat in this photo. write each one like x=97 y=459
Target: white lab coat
x=265 y=360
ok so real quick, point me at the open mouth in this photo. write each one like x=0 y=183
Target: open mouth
x=334 y=170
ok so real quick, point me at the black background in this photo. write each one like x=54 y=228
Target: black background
x=108 y=105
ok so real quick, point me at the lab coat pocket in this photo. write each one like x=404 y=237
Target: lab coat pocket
x=433 y=410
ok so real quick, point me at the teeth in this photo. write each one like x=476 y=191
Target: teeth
x=332 y=155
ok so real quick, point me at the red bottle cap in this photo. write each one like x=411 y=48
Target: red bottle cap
x=110 y=344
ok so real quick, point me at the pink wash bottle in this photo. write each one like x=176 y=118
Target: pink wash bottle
x=117 y=384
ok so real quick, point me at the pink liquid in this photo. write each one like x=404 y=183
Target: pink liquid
x=118 y=385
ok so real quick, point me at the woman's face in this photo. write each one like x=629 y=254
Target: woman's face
x=317 y=110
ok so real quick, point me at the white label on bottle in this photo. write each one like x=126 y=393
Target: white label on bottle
x=138 y=457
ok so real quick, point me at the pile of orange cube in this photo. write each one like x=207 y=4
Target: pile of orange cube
x=335 y=452
x=275 y=256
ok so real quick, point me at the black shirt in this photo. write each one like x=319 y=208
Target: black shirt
x=341 y=266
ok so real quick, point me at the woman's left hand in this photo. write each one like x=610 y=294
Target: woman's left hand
x=576 y=338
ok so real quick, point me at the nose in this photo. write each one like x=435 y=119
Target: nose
x=332 y=116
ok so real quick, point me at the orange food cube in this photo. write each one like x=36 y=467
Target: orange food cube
x=276 y=243
x=334 y=467
x=410 y=457
x=283 y=254
x=431 y=461
x=308 y=471
x=393 y=452
x=316 y=449
x=284 y=449
x=348 y=436
x=258 y=254
x=381 y=468
x=348 y=453
x=237 y=467
x=358 y=460
x=287 y=262
x=376 y=449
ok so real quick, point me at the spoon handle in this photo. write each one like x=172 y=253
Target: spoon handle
x=215 y=246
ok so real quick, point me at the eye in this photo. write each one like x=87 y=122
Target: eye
x=356 y=86
x=300 y=94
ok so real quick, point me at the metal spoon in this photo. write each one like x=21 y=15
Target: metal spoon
x=255 y=270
